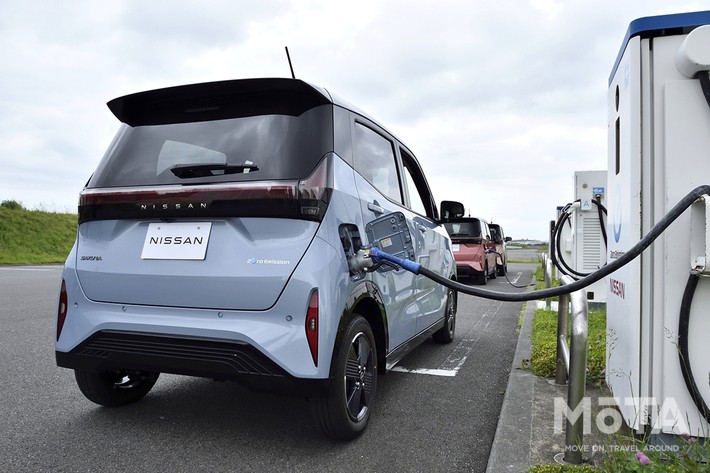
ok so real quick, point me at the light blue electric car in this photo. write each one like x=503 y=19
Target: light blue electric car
x=219 y=238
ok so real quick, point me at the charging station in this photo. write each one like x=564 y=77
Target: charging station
x=581 y=232
x=659 y=150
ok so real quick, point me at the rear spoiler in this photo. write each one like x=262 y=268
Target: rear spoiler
x=218 y=100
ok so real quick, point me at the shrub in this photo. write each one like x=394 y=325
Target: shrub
x=11 y=204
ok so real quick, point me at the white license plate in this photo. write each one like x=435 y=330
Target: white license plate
x=455 y=246
x=184 y=241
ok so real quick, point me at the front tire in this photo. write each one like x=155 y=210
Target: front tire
x=344 y=412
x=115 y=388
x=446 y=333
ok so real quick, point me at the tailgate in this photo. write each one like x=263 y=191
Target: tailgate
x=231 y=264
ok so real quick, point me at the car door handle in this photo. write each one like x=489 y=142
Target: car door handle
x=375 y=208
x=421 y=228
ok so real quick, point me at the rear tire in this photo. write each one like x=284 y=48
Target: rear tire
x=344 y=412
x=115 y=388
x=446 y=333
x=483 y=278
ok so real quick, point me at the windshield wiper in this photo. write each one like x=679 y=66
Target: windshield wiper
x=207 y=170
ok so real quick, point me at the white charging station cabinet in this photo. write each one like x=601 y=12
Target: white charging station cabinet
x=588 y=247
x=581 y=238
x=659 y=150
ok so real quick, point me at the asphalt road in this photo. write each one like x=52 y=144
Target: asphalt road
x=436 y=411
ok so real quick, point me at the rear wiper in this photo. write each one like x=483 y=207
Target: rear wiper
x=206 y=170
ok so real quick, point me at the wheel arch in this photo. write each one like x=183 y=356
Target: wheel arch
x=366 y=301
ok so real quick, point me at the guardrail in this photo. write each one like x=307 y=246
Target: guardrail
x=572 y=363
x=547 y=275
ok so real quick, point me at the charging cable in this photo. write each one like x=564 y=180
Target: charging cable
x=375 y=255
x=555 y=239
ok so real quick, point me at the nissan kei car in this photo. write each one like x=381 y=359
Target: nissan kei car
x=474 y=249
x=216 y=239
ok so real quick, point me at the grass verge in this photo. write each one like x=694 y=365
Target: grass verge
x=33 y=236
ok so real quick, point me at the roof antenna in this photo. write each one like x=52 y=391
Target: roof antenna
x=288 y=56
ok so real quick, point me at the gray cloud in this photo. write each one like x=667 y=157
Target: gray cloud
x=501 y=101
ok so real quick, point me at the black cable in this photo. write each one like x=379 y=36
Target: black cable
x=601 y=210
x=555 y=245
x=683 y=354
x=704 y=78
x=626 y=258
x=505 y=273
x=556 y=252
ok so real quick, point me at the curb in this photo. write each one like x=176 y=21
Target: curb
x=510 y=451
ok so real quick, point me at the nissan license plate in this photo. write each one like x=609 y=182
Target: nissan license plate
x=182 y=241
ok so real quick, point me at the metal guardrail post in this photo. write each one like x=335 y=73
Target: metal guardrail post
x=577 y=369
x=547 y=268
x=562 y=351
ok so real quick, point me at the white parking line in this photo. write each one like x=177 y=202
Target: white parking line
x=432 y=372
x=453 y=363
x=29 y=268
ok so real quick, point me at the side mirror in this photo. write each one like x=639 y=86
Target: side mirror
x=451 y=209
x=508 y=239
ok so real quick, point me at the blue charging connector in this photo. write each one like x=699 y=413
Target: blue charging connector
x=377 y=255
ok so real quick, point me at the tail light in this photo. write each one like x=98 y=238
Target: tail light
x=62 y=309
x=314 y=192
x=312 y=326
x=303 y=199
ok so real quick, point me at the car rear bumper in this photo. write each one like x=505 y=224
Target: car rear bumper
x=468 y=270
x=191 y=356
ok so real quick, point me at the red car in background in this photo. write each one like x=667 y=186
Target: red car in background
x=474 y=249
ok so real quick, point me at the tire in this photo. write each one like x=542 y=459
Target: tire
x=503 y=267
x=483 y=278
x=115 y=388
x=344 y=412
x=494 y=273
x=446 y=333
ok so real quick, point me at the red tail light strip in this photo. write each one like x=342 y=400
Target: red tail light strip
x=62 y=309
x=312 y=326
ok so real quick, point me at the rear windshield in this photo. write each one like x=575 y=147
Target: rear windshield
x=495 y=233
x=263 y=147
x=464 y=229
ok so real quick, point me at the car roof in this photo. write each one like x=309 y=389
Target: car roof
x=465 y=219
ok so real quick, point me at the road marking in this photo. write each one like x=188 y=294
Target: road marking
x=29 y=268
x=453 y=363
x=432 y=372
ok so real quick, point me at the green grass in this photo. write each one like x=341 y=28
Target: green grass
x=688 y=453
x=544 y=344
x=34 y=237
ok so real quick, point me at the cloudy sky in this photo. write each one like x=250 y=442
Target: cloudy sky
x=501 y=100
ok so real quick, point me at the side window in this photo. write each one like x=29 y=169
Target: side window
x=417 y=188
x=375 y=161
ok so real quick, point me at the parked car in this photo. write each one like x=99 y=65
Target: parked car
x=216 y=239
x=501 y=241
x=474 y=250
